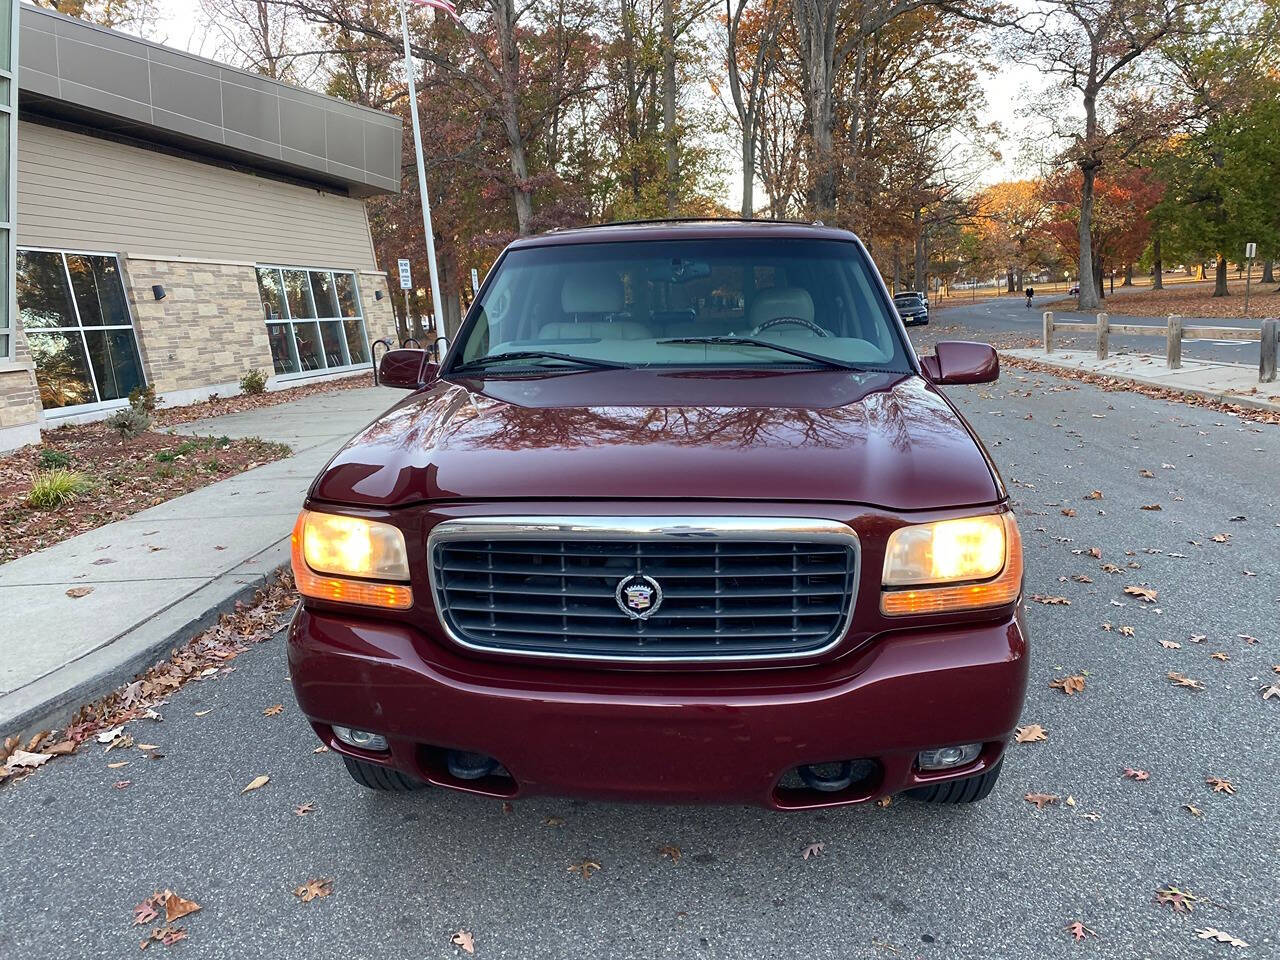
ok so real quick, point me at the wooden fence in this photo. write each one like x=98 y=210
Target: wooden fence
x=1174 y=332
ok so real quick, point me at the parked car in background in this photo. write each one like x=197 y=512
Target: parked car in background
x=912 y=307
x=680 y=517
x=1074 y=291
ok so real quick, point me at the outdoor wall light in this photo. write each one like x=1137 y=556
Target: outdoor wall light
x=377 y=294
x=157 y=291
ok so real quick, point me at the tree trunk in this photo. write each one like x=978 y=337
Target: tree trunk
x=816 y=23
x=1267 y=275
x=1200 y=274
x=1090 y=293
x=670 y=141
x=748 y=172
x=896 y=286
x=920 y=277
x=1157 y=265
x=1098 y=287
x=1220 y=277
x=1128 y=275
x=632 y=89
x=504 y=21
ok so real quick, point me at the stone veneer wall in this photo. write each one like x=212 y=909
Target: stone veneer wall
x=19 y=398
x=379 y=317
x=207 y=331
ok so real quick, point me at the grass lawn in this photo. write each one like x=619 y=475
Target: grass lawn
x=1189 y=301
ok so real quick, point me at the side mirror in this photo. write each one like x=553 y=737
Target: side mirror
x=406 y=369
x=962 y=361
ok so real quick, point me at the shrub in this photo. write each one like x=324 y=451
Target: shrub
x=165 y=456
x=143 y=399
x=53 y=458
x=165 y=472
x=129 y=422
x=255 y=381
x=50 y=489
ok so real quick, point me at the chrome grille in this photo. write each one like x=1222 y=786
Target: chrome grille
x=730 y=587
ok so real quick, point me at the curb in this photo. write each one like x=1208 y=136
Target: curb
x=1218 y=396
x=52 y=700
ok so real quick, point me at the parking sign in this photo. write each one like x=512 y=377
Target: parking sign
x=406 y=278
x=1250 y=250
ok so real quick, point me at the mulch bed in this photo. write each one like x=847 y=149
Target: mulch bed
x=217 y=406
x=127 y=476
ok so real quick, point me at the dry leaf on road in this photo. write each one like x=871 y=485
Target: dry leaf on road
x=1051 y=601
x=1031 y=733
x=1148 y=594
x=1192 y=809
x=76 y=592
x=1180 y=680
x=1209 y=933
x=23 y=759
x=1135 y=774
x=1151 y=506
x=465 y=940
x=1272 y=690
x=553 y=821
x=1221 y=655
x=314 y=890
x=1079 y=930
x=273 y=711
x=584 y=868
x=1182 y=901
x=671 y=852
x=256 y=783
x=1093 y=495
x=813 y=850
x=1069 y=685
x=176 y=907
x=1221 y=785
x=303 y=809
x=1042 y=800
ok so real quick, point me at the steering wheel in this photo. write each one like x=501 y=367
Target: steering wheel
x=799 y=321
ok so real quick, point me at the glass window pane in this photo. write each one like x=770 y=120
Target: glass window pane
x=61 y=370
x=44 y=298
x=356 y=347
x=282 y=350
x=297 y=287
x=4 y=346
x=99 y=291
x=307 y=338
x=334 y=342
x=347 y=298
x=271 y=291
x=322 y=294
x=116 y=365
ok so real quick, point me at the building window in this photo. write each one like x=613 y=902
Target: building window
x=314 y=320
x=76 y=317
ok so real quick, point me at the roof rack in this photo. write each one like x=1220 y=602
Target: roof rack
x=657 y=221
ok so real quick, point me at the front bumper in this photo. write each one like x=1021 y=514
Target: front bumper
x=669 y=736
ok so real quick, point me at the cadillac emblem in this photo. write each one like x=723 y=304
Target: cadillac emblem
x=638 y=596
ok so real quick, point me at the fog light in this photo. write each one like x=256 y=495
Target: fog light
x=360 y=739
x=944 y=758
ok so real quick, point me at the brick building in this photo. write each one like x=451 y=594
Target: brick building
x=178 y=223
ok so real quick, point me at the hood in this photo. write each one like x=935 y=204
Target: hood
x=880 y=439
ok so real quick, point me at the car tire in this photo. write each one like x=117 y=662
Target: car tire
x=969 y=790
x=376 y=777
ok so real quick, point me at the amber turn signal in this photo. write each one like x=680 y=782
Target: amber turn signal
x=388 y=596
x=948 y=598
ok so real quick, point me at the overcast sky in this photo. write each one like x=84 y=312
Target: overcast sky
x=1007 y=87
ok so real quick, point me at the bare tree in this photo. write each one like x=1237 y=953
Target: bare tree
x=748 y=91
x=259 y=36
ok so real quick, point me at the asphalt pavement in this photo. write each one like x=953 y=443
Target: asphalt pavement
x=1009 y=320
x=1000 y=879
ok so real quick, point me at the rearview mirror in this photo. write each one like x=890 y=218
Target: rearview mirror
x=406 y=369
x=962 y=361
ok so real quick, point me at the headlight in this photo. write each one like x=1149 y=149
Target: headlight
x=328 y=548
x=961 y=564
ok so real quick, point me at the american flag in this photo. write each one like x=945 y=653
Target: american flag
x=446 y=5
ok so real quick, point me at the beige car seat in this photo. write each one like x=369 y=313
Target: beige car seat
x=591 y=299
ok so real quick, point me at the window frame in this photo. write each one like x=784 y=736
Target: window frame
x=80 y=328
x=287 y=318
x=8 y=226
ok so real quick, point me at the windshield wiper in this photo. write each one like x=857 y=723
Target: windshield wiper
x=754 y=342
x=483 y=363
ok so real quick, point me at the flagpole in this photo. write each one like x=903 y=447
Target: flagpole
x=436 y=303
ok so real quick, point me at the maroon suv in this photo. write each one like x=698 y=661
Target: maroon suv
x=680 y=516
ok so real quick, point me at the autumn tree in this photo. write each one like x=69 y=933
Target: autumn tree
x=751 y=54
x=135 y=16
x=259 y=36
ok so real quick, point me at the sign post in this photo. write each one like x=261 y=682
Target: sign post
x=1250 y=251
x=475 y=281
x=406 y=284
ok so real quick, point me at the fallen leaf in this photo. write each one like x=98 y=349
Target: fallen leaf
x=303 y=809
x=553 y=821
x=1272 y=690
x=1221 y=655
x=1126 y=631
x=1069 y=685
x=1052 y=601
x=1192 y=809
x=584 y=868
x=1179 y=680
x=1146 y=474
x=1031 y=733
x=1151 y=506
x=1221 y=785
x=26 y=760
x=884 y=801
x=148 y=746
x=77 y=592
x=121 y=784
x=1093 y=495
x=1171 y=644
x=1079 y=930
x=671 y=852
x=273 y=711
x=1220 y=537
x=62 y=749
x=1110 y=568
x=813 y=850
x=1042 y=800
x=1197 y=638
x=314 y=890
x=465 y=940
x=1081 y=578
x=175 y=907
x=1182 y=901
x=145 y=912
x=203 y=713
x=1095 y=552
x=256 y=783
x=1147 y=594
x=1209 y=933
x=1068 y=512
x=321 y=749
x=117 y=765
x=1134 y=774
x=508 y=807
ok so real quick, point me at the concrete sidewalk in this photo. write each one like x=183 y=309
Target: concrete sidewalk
x=166 y=572
x=1227 y=382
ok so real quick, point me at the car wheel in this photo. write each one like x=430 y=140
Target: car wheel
x=968 y=790
x=380 y=778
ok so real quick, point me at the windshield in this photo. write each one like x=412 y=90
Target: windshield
x=630 y=302
x=907 y=299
